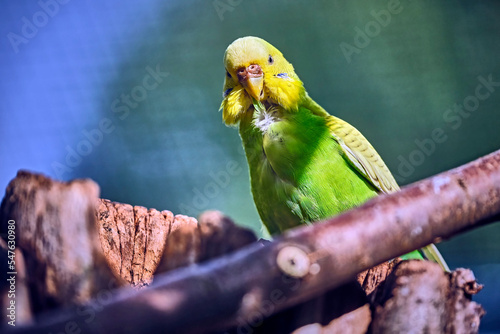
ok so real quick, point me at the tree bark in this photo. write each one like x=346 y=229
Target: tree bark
x=132 y=239
x=138 y=242
x=418 y=297
x=60 y=259
x=66 y=265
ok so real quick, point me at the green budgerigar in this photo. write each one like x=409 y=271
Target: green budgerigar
x=305 y=164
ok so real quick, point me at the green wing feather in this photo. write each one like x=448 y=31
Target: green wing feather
x=361 y=154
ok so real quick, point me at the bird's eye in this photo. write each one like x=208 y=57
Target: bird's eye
x=270 y=59
x=228 y=75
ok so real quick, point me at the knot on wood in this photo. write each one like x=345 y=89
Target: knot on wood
x=294 y=261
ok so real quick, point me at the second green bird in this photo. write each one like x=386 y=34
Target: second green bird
x=305 y=164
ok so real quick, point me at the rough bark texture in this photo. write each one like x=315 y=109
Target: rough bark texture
x=438 y=302
x=66 y=264
x=132 y=239
x=370 y=279
x=138 y=242
x=23 y=312
x=55 y=231
x=303 y=281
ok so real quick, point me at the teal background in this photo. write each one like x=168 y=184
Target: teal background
x=169 y=149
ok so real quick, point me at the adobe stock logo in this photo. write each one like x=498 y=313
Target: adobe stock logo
x=222 y=6
x=372 y=29
x=453 y=117
x=219 y=181
x=122 y=108
x=31 y=26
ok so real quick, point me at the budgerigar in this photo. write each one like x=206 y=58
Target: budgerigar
x=305 y=164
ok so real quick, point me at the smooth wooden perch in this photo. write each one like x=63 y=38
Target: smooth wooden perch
x=311 y=260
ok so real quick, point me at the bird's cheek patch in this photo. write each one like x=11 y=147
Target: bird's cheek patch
x=283 y=76
x=234 y=105
x=226 y=93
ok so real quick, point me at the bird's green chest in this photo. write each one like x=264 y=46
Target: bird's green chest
x=298 y=174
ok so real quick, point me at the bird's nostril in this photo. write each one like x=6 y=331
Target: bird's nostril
x=255 y=69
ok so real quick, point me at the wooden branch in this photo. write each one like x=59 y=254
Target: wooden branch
x=138 y=242
x=214 y=236
x=419 y=298
x=416 y=297
x=304 y=262
x=55 y=230
x=132 y=239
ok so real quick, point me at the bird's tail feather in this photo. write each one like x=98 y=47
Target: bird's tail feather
x=431 y=253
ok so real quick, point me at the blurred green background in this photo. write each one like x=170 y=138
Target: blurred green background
x=127 y=93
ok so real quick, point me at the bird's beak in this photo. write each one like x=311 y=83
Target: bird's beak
x=252 y=79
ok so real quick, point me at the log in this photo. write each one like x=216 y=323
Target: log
x=419 y=297
x=132 y=239
x=58 y=226
x=415 y=297
x=308 y=261
x=138 y=242
x=54 y=227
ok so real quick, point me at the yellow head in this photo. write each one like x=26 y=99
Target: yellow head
x=257 y=70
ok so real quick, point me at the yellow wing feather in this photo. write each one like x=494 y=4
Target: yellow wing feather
x=362 y=155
